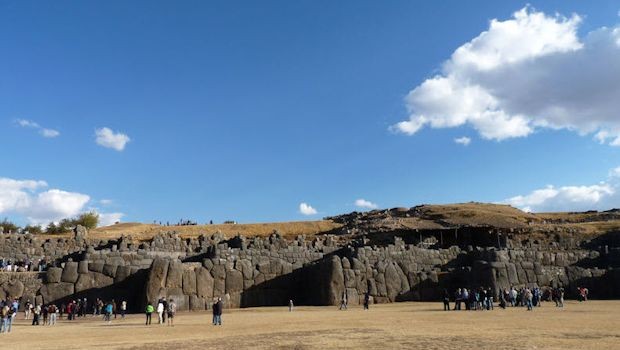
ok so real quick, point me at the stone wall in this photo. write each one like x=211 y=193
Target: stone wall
x=272 y=270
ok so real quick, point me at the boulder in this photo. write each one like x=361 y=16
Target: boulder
x=101 y=280
x=70 y=272
x=335 y=281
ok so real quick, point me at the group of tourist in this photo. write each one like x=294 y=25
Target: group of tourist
x=484 y=298
x=12 y=265
x=164 y=309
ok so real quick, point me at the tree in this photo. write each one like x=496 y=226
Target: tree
x=88 y=220
x=33 y=229
x=53 y=229
x=8 y=226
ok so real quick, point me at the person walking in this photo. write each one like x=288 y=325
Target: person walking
x=172 y=310
x=109 y=309
x=343 y=301
x=149 y=311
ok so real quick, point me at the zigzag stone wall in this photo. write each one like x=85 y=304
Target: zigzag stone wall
x=270 y=271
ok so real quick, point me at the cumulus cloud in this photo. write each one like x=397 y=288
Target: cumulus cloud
x=465 y=141
x=306 y=209
x=45 y=132
x=529 y=72
x=601 y=196
x=107 y=219
x=107 y=138
x=362 y=203
x=31 y=200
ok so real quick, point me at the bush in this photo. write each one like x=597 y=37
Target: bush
x=8 y=226
x=33 y=229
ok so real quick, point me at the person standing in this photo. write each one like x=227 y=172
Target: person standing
x=172 y=310
x=160 y=310
x=366 y=300
x=4 y=315
x=290 y=305
x=52 y=311
x=149 y=311
x=217 y=312
x=528 y=299
x=27 y=310
x=165 y=302
x=45 y=312
x=36 y=312
x=123 y=308
x=446 y=300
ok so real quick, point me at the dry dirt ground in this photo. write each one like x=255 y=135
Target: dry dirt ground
x=591 y=325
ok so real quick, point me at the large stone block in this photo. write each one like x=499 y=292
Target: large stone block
x=52 y=292
x=83 y=266
x=189 y=282
x=204 y=283
x=110 y=270
x=53 y=274
x=196 y=303
x=175 y=275
x=14 y=288
x=234 y=281
x=156 y=279
x=70 y=272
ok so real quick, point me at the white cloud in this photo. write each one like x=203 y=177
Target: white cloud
x=49 y=133
x=105 y=201
x=306 y=209
x=529 y=72
x=362 y=203
x=465 y=141
x=615 y=172
x=27 y=123
x=107 y=219
x=107 y=138
x=601 y=196
x=31 y=200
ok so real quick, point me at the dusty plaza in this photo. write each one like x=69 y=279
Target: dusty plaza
x=411 y=325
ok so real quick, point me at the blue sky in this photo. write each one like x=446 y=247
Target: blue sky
x=240 y=110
